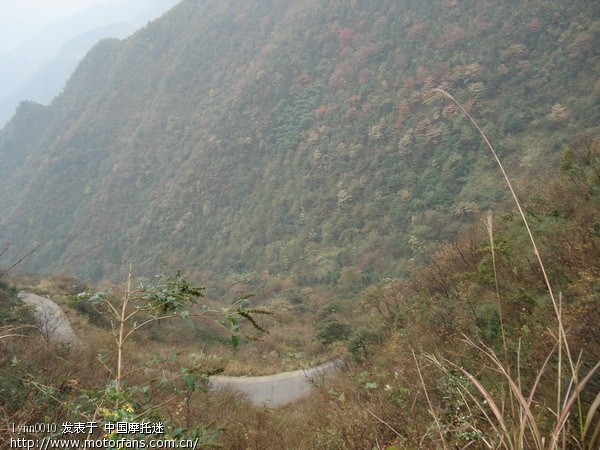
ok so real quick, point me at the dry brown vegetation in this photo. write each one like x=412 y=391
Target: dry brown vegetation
x=427 y=374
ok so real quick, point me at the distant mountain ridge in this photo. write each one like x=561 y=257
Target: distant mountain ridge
x=284 y=139
x=38 y=69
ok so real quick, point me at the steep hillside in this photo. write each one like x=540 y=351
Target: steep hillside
x=289 y=139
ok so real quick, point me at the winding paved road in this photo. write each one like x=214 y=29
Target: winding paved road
x=269 y=390
x=279 y=389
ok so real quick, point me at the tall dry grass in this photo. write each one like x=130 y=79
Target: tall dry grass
x=522 y=425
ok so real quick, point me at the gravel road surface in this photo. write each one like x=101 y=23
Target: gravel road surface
x=53 y=323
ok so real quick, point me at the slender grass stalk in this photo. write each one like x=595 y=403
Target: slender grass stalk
x=490 y=229
x=385 y=423
x=9 y=331
x=574 y=397
x=564 y=403
x=430 y=96
x=120 y=339
x=464 y=392
x=527 y=420
x=595 y=437
x=431 y=410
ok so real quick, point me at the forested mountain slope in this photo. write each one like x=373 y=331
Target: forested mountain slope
x=289 y=138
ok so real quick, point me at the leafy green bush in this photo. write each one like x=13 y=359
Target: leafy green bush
x=331 y=330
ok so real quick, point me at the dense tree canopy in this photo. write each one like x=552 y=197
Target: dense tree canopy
x=289 y=138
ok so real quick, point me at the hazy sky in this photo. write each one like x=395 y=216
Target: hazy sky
x=20 y=19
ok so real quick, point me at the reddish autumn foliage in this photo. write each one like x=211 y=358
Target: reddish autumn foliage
x=345 y=37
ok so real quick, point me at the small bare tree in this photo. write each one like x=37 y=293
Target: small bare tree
x=172 y=297
x=47 y=323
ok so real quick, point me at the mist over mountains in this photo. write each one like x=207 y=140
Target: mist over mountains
x=38 y=68
x=263 y=139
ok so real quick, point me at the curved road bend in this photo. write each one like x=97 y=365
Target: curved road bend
x=270 y=390
x=279 y=389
